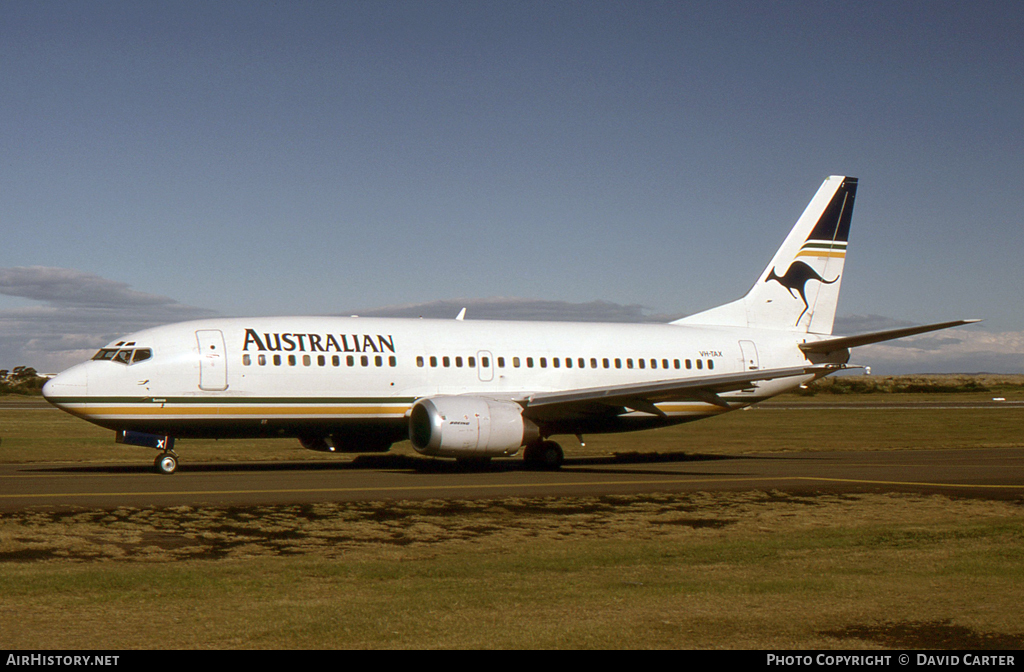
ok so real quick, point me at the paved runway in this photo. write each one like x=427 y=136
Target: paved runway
x=985 y=473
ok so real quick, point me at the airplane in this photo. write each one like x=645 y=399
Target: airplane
x=473 y=390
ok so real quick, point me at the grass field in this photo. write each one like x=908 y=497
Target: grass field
x=34 y=434
x=708 y=570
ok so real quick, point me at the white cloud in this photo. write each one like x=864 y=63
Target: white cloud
x=511 y=308
x=67 y=286
x=960 y=350
x=81 y=313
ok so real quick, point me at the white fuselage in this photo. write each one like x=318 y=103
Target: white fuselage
x=295 y=376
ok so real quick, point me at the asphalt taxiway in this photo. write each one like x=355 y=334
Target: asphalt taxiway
x=985 y=473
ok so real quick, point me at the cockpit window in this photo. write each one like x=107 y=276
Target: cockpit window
x=125 y=355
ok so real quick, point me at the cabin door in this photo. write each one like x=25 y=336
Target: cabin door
x=213 y=365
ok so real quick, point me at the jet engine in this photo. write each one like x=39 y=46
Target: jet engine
x=463 y=426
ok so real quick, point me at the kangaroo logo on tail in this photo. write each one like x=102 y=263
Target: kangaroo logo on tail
x=796 y=278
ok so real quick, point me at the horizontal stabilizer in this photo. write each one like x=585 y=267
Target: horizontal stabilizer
x=844 y=342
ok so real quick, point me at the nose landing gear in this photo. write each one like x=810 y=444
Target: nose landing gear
x=166 y=462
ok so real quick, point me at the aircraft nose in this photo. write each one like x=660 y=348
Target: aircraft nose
x=71 y=383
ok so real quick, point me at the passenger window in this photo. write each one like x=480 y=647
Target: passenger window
x=378 y=361
x=321 y=360
x=501 y=362
x=629 y=362
x=711 y=363
x=515 y=362
x=306 y=361
x=351 y=360
x=555 y=362
x=543 y=362
x=335 y=360
x=529 y=362
x=458 y=362
x=433 y=361
x=365 y=360
x=604 y=362
x=419 y=361
x=642 y=363
x=291 y=360
x=484 y=362
x=261 y=360
x=689 y=364
x=277 y=360
x=246 y=360
x=392 y=361
x=700 y=364
x=675 y=363
x=618 y=363
x=446 y=362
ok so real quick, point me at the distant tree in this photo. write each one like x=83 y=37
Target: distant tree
x=21 y=380
x=22 y=373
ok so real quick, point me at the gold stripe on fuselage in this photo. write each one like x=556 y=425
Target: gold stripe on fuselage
x=308 y=411
x=239 y=411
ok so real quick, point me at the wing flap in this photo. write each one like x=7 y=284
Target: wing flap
x=643 y=396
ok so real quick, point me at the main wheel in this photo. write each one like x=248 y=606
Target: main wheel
x=551 y=456
x=544 y=455
x=166 y=463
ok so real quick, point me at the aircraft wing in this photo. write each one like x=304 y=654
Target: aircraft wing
x=844 y=342
x=643 y=396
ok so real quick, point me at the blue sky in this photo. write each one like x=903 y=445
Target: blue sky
x=170 y=160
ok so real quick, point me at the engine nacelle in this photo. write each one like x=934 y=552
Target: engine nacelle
x=462 y=426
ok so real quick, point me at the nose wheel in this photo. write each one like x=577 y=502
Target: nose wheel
x=166 y=463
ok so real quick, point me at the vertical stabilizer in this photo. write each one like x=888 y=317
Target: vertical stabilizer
x=799 y=290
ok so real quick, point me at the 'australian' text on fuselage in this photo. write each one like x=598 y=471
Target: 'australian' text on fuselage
x=318 y=342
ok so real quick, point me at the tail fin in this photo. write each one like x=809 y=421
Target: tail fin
x=799 y=290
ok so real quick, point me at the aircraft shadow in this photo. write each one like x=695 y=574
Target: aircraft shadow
x=412 y=463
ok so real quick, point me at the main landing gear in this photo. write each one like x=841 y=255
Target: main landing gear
x=546 y=455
